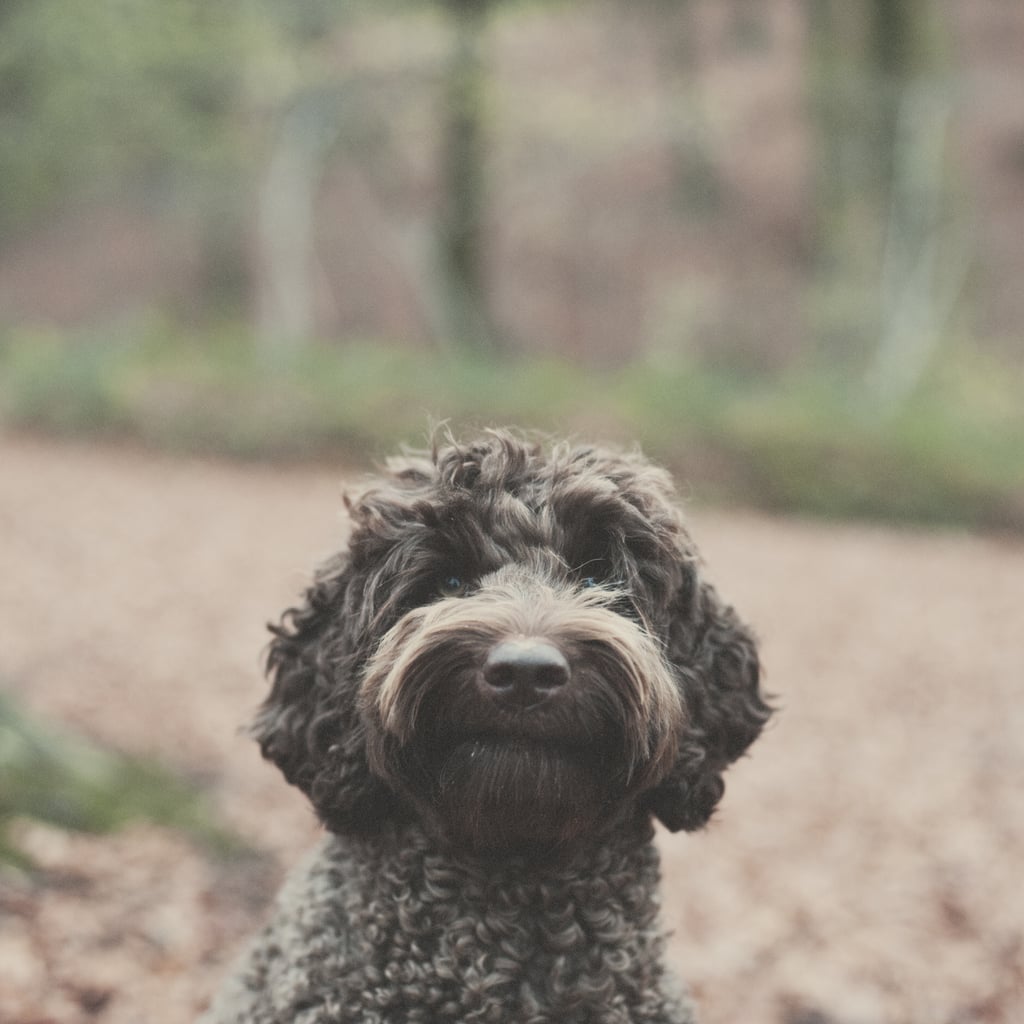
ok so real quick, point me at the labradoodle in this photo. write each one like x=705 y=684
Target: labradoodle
x=513 y=667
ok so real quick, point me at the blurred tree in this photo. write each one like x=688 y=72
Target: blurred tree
x=310 y=124
x=319 y=108
x=130 y=101
x=675 y=32
x=881 y=101
x=91 y=93
x=189 y=109
x=467 y=319
x=924 y=262
x=308 y=106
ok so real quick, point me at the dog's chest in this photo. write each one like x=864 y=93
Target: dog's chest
x=411 y=936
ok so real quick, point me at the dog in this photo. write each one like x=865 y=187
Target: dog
x=515 y=665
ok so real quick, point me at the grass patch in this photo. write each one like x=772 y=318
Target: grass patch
x=52 y=776
x=810 y=443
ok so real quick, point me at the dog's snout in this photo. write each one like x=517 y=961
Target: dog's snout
x=525 y=672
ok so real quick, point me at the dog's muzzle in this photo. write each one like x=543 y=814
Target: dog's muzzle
x=523 y=712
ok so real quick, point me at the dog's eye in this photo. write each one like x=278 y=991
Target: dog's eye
x=452 y=586
x=594 y=572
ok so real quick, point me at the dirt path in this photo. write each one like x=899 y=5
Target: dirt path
x=867 y=863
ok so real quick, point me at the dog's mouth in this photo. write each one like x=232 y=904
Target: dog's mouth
x=497 y=791
x=511 y=758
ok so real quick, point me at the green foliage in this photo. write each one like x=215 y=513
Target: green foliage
x=809 y=443
x=217 y=393
x=90 y=92
x=58 y=778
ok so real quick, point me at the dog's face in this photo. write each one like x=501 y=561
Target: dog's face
x=517 y=649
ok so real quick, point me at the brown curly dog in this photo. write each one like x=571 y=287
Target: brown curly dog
x=513 y=666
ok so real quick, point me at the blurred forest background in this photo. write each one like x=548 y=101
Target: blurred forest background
x=780 y=242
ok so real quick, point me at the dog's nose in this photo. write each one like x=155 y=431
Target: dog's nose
x=525 y=672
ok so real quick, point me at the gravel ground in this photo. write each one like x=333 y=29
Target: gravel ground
x=867 y=865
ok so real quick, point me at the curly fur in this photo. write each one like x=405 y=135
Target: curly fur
x=492 y=860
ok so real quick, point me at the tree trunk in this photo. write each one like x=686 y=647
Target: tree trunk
x=286 y=218
x=881 y=108
x=468 y=325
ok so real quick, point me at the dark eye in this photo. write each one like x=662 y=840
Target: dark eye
x=594 y=572
x=452 y=586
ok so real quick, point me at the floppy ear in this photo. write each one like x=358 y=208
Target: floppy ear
x=309 y=725
x=715 y=659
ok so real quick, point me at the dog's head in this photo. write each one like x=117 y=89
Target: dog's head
x=517 y=648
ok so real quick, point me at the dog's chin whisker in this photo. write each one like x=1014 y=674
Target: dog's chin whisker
x=494 y=793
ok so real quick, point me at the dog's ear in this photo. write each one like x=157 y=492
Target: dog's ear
x=309 y=725
x=716 y=662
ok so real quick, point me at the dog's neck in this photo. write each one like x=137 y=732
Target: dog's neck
x=403 y=921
